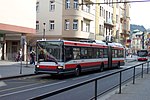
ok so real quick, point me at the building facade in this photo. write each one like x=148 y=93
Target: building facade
x=112 y=21
x=124 y=24
x=82 y=19
x=65 y=19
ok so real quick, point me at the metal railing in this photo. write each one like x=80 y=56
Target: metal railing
x=52 y=93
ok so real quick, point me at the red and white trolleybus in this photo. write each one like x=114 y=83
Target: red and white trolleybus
x=142 y=55
x=61 y=56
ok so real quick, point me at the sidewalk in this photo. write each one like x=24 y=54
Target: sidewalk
x=138 y=91
x=10 y=68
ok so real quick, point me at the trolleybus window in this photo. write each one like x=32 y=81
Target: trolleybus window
x=83 y=53
x=105 y=53
x=76 y=53
x=46 y=50
x=90 y=52
x=68 y=53
x=101 y=53
x=96 y=53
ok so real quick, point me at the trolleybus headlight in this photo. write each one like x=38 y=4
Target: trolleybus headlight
x=60 y=67
x=37 y=65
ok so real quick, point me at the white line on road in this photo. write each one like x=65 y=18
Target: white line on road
x=31 y=89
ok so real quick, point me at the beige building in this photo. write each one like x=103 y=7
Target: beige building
x=112 y=21
x=137 y=41
x=104 y=20
x=124 y=24
x=17 y=21
x=65 y=19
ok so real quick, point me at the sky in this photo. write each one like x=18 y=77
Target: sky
x=140 y=14
x=18 y=12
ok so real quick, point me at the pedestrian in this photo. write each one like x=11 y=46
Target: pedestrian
x=19 y=55
x=32 y=56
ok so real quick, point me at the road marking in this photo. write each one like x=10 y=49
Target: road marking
x=2 y=83
x=31 y=89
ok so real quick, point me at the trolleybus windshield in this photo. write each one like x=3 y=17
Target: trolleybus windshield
x=49 y=51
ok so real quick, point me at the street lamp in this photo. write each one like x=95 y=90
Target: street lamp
x=44 y=24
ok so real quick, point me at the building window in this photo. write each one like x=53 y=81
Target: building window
x=116 y=18
x=75 y=24
x=37 y=25
x=117 y=4
x=87 y=8
x=104 y=14
x=81 y=25
x=52 y=24
x=75 y=4
x=37 y=6
x=100 y=10
x=67 y=24
x=52 y=5
x=87 y=27
x=101 y=30
x=67 y=4
x=107 y=16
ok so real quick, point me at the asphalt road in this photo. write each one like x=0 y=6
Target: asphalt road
x=25 y=88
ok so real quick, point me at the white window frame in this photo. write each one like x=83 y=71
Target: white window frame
x=37 y=25
x=52 y=5
x=87 y=27
x=67 y=4
x=52 y=24
x=67 y=23
x=75 y=24
x=75 y=5
x=87 y=9
x=37 y=6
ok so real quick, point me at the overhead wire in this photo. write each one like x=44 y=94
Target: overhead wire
x=134 y=1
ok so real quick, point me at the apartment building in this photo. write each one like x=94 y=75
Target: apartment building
x=104 y=20
x=17 y=21
x=65 y=19
x=112 y=21
x=124 y=24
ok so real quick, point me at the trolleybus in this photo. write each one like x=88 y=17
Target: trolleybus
x=142 y=55
x=62 y=56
